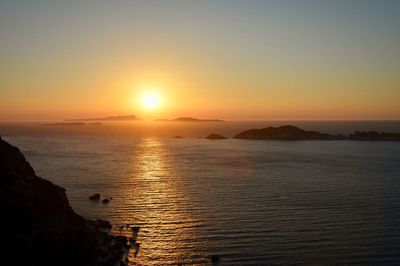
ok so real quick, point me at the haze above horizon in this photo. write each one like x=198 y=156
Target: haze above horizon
x=206 y=59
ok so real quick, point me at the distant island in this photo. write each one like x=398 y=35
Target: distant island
x=287 y=132
x=214 y=136
x=65 y=124
x=290 y=132
x=72 y=124
x=374 y=135
x=109 y=118
x=188 y=119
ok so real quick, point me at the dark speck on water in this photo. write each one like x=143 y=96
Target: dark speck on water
x=95 y=197
x=105 y=201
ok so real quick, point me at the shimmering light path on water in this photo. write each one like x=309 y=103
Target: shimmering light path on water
x=250 y=202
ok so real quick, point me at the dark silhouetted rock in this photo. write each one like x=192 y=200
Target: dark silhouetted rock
x=38 y=226
x=285 y=133
x=215 y=260
x=95 y=197
x=214 y=136
x=374 y=136
x=178 y=137
x=103 y=224
x=105 y=201
x=135 y=229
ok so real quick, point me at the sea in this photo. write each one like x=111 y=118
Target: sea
x=249 y=202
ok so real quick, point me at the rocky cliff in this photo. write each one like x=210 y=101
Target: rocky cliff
x=37 y=224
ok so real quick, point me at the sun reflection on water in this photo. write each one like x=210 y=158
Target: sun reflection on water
x=159 y=207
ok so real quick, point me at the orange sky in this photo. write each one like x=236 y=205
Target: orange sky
x=206 y=60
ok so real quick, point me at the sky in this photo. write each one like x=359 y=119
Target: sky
x=248 y=59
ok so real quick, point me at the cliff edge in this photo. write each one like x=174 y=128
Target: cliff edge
x=37 y=224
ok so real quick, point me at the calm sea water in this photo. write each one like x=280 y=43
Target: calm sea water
x=249 y=202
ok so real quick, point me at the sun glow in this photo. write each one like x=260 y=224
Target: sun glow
x=150 y=100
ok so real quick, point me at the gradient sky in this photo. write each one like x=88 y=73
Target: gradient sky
x=228 y=59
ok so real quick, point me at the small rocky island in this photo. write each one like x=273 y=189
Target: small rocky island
x=290 y=132
x=285 y=133
x=214 y=136
x=39 y=227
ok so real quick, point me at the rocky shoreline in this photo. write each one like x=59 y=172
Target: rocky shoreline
x=39 y=227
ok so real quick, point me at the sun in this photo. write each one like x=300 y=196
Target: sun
x=150 y=100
